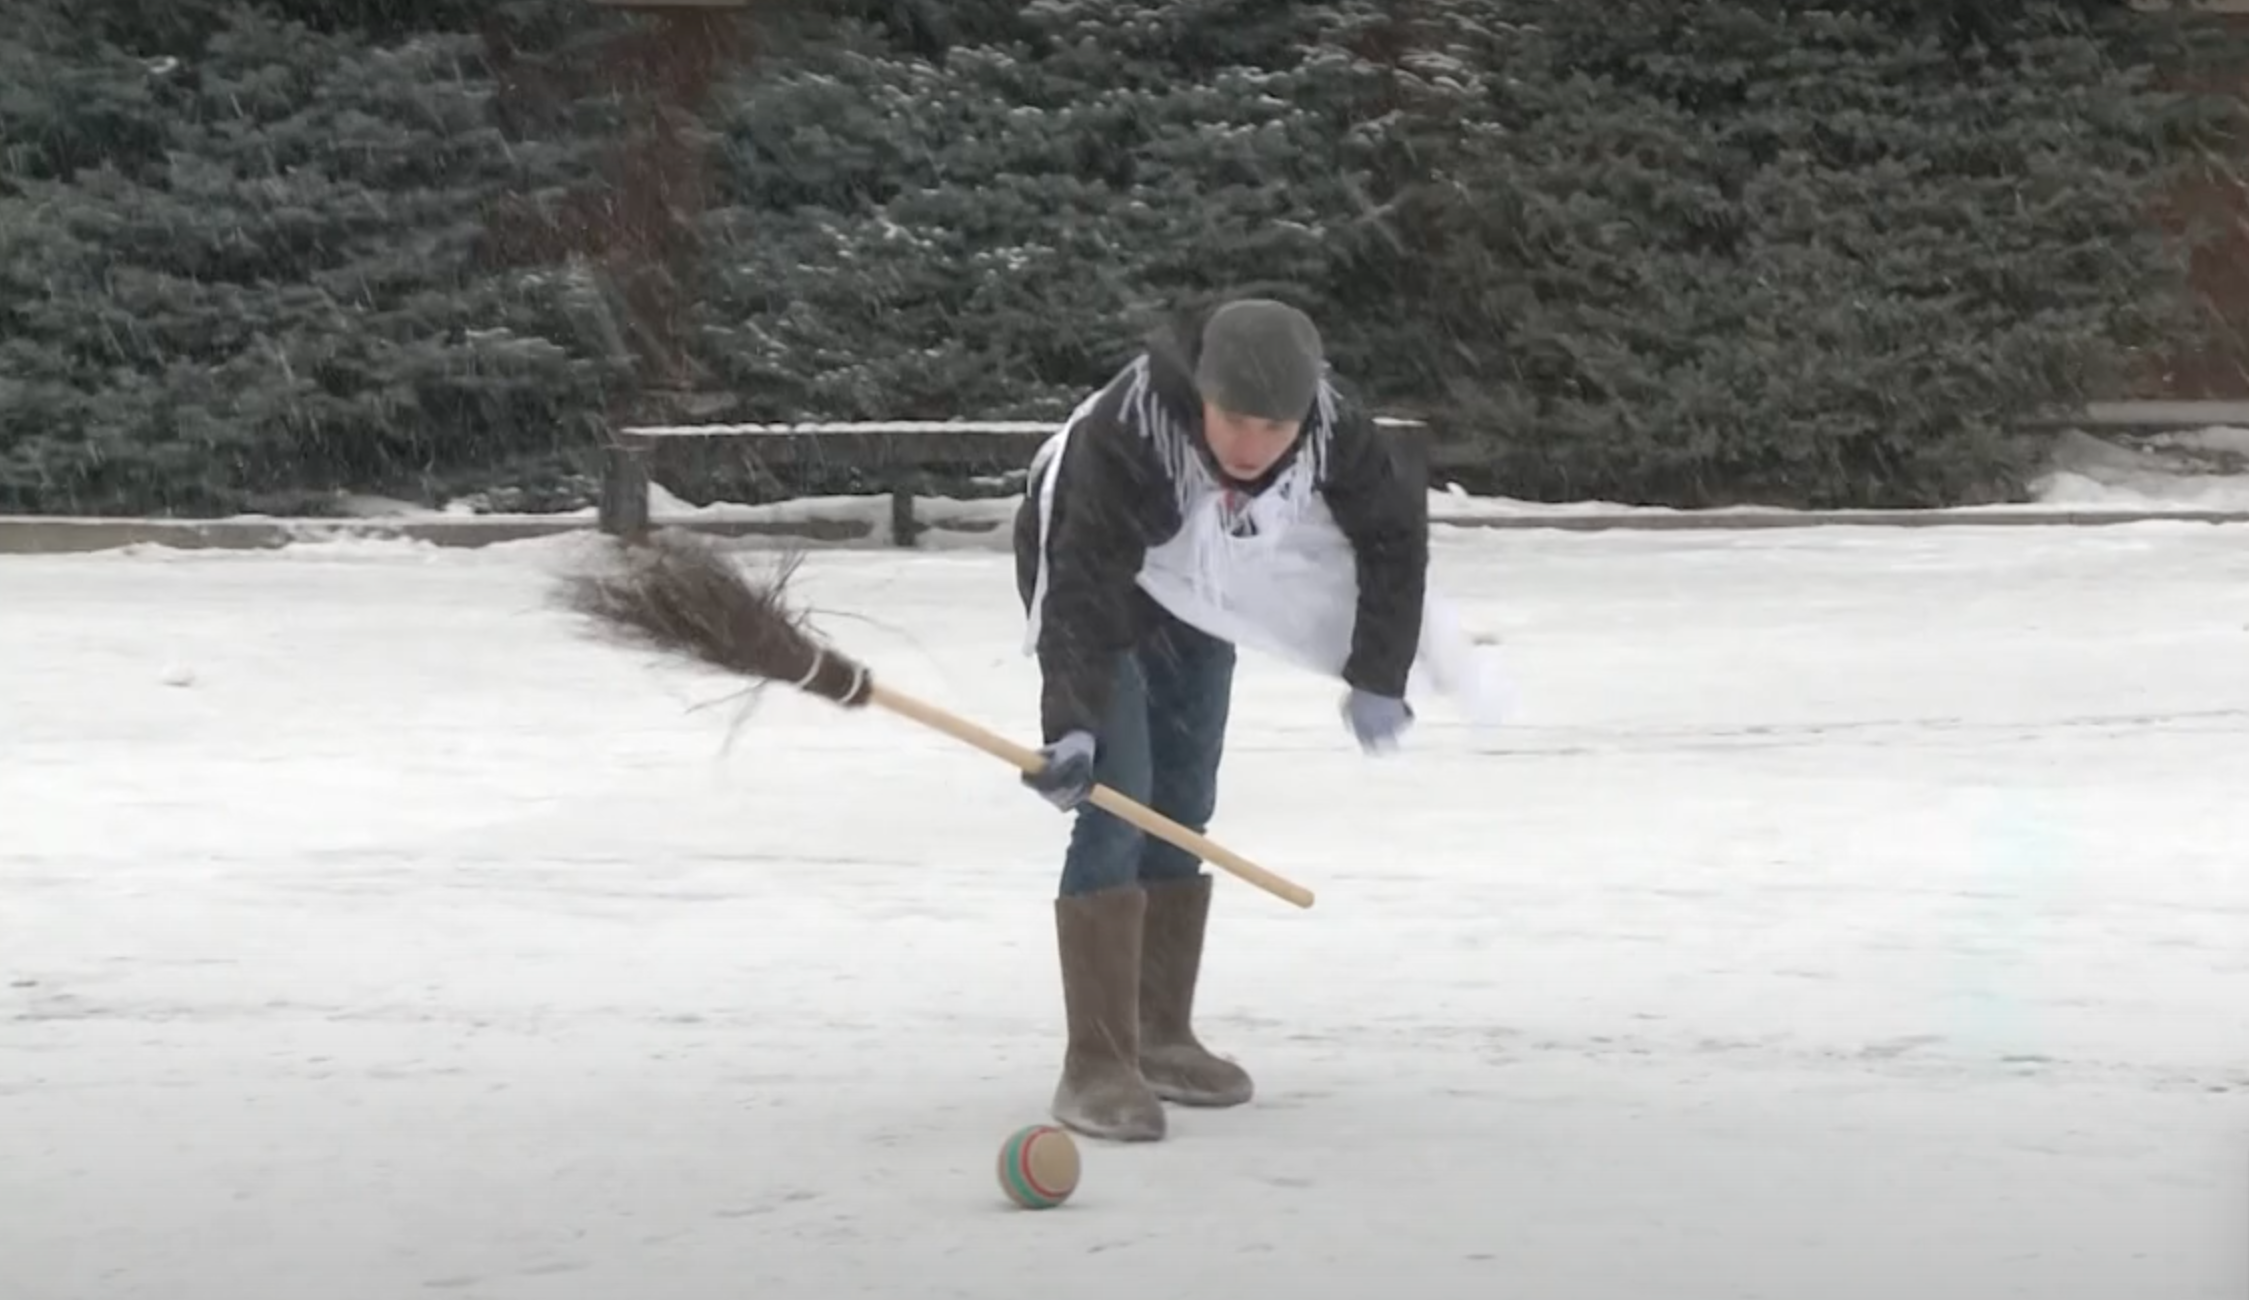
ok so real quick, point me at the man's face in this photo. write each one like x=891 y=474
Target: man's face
x=1244 y=445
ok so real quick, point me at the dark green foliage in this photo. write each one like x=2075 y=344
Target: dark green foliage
x=1697 y=251
x=250 y=276
x=1748 y=251
x=1691 y=251
x=899 y=240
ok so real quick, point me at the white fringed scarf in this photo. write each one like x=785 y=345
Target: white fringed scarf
x=1270 y=571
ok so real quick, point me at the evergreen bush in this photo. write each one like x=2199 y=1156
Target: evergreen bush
x=1684 y=251
x=248 y=276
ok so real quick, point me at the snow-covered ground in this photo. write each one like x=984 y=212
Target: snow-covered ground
x=1848 y=913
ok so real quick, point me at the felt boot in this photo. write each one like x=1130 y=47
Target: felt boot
x=1101 y=1093
x=1178 y=1067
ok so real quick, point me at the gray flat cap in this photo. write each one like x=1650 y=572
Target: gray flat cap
x=1260 y=358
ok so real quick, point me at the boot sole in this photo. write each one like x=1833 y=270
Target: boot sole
x=1201 y=1100
x=1146 y=1131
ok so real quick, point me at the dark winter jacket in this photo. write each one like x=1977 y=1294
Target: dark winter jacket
x=1116 y=499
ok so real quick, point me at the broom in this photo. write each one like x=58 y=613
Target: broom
x=680 y=596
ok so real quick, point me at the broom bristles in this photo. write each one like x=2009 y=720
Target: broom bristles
x=680 y=596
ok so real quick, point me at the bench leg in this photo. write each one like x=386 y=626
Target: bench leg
x=624 y=493
x=1410 y=452
x=904 y=531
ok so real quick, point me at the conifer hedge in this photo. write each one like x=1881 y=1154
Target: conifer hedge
x=1680 y=251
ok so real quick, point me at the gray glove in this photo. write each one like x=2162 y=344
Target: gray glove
x=1376 y=721
x=1067 y=779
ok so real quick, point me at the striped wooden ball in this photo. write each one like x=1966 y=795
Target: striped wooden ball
x=1038 y=1166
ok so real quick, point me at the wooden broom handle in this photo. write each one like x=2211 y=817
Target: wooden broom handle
x=1104 y=798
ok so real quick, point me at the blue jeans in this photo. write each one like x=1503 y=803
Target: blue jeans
x=1160 y=745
